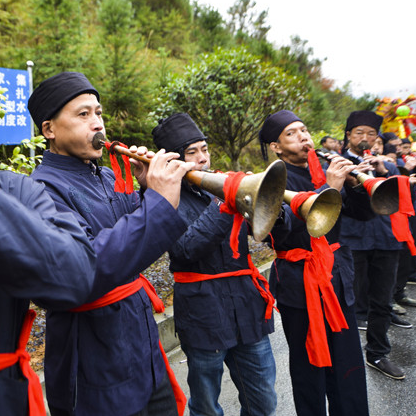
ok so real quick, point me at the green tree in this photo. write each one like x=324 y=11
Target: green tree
x=229 y=94
x=210 y=28
x=165 y=6
x=58 y=38
x=168 y=29
x=297 y=59
x=244 y=22
x=14 y=20
x=122 y=91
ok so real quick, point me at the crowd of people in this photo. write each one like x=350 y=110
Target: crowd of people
x=75 y=237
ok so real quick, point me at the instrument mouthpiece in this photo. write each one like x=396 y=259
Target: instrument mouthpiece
x=98 y=141
x=363 y=145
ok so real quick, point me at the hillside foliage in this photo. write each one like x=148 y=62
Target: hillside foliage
x=149 y=58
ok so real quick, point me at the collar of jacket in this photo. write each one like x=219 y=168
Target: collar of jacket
x=69 y=163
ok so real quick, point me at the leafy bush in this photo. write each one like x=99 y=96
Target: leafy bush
x=21 y=163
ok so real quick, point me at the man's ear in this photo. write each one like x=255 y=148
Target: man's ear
x=275 y=147
x=47 y=130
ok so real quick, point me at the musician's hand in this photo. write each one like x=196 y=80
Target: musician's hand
x=165 y=175
x=363 y=167
x=337 y=171
x=410 y=163
x=377 y=163
x=140 y=168
x=386 y=158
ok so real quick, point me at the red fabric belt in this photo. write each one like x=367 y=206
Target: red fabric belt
x=190 y=277
x=124 y=291
x=35 y=397
x=317 y=276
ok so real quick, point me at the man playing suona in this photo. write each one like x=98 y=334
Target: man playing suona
x=222 y=306
x=326 y=362
x=104 y=359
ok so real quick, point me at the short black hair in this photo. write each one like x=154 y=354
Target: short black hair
x=325 y=138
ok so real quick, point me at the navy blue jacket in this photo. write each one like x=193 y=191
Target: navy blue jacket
x=375 y=234
x=107 y=361
x=219 y=313
x=286 y=278
x=45 y=256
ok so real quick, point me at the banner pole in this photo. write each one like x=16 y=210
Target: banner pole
x=32 y=127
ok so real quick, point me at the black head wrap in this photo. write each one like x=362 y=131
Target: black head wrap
x=273 y=127
x=382 y=137
x=53 y=93
x=362 y=118
x=176 y=132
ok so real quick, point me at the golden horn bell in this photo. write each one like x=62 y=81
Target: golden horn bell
x=384 y=194
x=259 y=197
x=320 y=211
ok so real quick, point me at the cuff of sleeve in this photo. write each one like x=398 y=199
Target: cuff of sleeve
x=153 y=198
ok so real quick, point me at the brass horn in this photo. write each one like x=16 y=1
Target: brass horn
x=259 y=196
x=320 y=211
x=384 y=194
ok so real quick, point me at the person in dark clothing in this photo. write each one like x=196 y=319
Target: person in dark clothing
x=332 y=370
x=103 y=359
x=374 y=247
x=222 y=307
x=329 y=145
x=45 y=256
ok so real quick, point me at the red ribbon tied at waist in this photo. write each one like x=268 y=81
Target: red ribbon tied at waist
x=317 y=274
x=35 y=397
x=124 y=291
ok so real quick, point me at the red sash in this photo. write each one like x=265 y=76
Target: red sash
x=35 y=397
x=124 y=291
x=317 y=280
x=190 y=277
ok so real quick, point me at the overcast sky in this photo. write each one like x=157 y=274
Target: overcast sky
x=370 y=43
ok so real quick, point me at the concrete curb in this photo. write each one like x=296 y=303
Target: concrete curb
x=166 y=326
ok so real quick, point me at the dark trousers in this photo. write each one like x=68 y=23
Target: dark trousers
x=403 y=273
x=375 y=280
x=343 y=384
x=162 y=402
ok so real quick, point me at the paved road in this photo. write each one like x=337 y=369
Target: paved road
x=387 y=397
